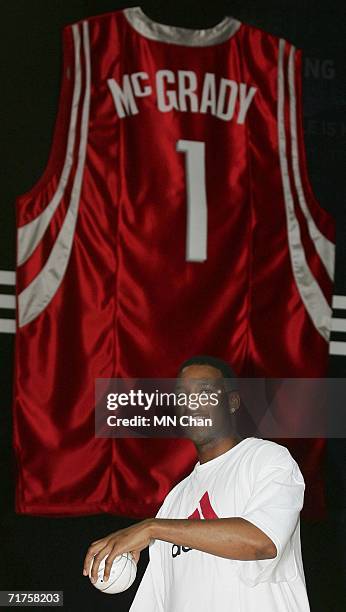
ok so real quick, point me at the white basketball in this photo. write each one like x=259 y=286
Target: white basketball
x=122 y=574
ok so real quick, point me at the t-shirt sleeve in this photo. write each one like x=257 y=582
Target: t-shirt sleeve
x=274 y=506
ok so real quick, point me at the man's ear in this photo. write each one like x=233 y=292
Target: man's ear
x=234 y=401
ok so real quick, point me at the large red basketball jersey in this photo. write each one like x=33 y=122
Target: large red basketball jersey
x=174 y=217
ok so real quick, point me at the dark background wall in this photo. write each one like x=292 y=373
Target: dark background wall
x=41 y=553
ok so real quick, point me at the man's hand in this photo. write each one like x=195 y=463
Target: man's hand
x=132 y=539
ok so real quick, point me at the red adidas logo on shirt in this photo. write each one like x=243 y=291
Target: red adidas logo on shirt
x=204 y=510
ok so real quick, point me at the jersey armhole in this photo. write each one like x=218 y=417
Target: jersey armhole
x=59 y=137
x=313 y=202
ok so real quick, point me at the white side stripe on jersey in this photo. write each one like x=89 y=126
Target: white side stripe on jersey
x=310 y=292
x=29 y=235
x=324 y=247
x=35 y=297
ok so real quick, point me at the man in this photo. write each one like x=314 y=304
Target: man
x=227 y=537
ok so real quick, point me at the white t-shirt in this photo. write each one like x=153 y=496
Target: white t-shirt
x=257 y=480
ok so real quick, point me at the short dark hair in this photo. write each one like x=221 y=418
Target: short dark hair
x=220 y=364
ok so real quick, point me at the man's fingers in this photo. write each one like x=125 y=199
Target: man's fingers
x=93 y=549
x=109 y=563
x=136 y=554
x=96 y=563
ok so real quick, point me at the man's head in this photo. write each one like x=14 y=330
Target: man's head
x=204 y=374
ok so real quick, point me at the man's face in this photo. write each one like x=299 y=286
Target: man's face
x=205 y=384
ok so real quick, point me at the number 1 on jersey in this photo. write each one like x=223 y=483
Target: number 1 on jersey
x=196 y=218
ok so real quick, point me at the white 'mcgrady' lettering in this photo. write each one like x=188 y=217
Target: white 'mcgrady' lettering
x=166 y=99
x=123 y=97
x=224 y=98
x=208 y=100
x=137 y=90
x=187 y=85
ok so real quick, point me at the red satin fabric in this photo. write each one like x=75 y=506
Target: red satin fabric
x=130 y=305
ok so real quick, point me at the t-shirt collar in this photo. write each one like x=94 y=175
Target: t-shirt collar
x=201 y=467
